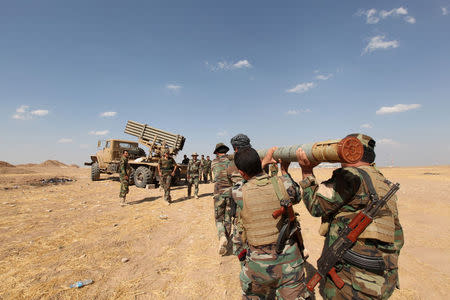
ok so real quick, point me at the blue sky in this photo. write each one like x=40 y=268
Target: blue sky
x=284 y=73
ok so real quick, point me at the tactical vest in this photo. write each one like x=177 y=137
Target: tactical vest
x=259 y=202
x=383 y=226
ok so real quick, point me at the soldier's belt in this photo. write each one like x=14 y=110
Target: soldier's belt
x=364 y=261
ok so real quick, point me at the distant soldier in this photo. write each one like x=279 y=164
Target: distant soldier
x=272 y=260
x=207 y=169
x=166 y=169
x=185 y=160
x=123 y=175
x=193 y=175
x=221 y=185
x=202 y=166
x=370 y=268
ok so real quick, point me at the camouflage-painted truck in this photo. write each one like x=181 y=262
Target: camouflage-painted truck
x=144 y=168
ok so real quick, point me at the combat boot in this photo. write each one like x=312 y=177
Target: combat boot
x=123 y=201
x=196 y=196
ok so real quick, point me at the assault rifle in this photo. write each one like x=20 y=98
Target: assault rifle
x=347 y=238
x=290 y=228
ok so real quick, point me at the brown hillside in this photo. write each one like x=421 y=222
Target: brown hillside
x=26 y=165
x=52 y=163
x=74 y=166
x=4 y=164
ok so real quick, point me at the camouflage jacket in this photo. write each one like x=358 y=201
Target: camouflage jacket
x=207 y=165
x=290 y=185
x=123 y=167
x=339 y=199
x=166 y=165
x=233 y=174
x=194 y=168
x=219 y=166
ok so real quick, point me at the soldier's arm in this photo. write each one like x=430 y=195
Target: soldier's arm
x=200 y=171
x=159 y=167
x=327 y=197
x=175 y=166
x=291 y=187
x=188 y=170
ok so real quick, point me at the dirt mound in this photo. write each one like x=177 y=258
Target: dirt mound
x=4 y=164
x=26 y=165
x=74 y=166
x=52 y=163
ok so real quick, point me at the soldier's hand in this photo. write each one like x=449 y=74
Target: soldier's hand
x=303 y=160
x=268 y=159
x=160 y=174
x=172 y=174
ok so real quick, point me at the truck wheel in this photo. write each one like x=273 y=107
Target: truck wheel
x=95 y=172
x=142 y=177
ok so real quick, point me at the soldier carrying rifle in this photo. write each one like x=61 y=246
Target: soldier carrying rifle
x=368 y=267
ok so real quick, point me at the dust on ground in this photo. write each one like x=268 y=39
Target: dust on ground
x=52 y=235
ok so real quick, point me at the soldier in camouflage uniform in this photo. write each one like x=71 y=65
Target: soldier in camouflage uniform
x=207 y=169
x=337 y=201
x=193 y=175
x=202 y=167
x=266 y=272
x=123 y=175
x=221 y=185
x=166 y=169
x=239 y=141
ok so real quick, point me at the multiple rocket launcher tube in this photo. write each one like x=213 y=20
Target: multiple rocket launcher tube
x=347 y=150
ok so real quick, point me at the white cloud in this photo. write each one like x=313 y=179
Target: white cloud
x=401 y=11
x=108 y=114
x=39 y=112
x=444 y=11
x=324 y=77
x=389 y=142
x=410 y=20
x=297 y=111
x=224 y=65
x=302 y=87
x=222 y=133
x=23 y=113
x=101 y=132
x=22 y=109
x=396 y=108
x=373 y=16
x=173 y=87
x=64 y=141
x=379 y=42
x=366 y=125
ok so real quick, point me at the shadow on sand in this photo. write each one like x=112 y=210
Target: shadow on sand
x=148 y=199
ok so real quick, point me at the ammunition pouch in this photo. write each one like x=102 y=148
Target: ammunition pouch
x=370 y=263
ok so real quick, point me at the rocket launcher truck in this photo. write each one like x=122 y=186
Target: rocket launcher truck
x=143 y=166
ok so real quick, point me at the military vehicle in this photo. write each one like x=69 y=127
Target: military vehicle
x=144 y=168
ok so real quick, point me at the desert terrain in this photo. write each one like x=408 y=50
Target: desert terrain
x=54 y=233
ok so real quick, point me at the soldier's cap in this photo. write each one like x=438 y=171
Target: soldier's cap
x=240 y=141
x=194 y=154
x=221 y=146
x=366 y=140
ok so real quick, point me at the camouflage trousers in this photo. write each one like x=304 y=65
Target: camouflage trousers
x=124 y=189
x=193 y=181
x=361 y=284
x=165 y=182
x=266 y=273
x=222 y=215
x=205 y=174
x=236 y=237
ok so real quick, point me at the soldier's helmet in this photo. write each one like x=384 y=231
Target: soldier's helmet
x=222 y=147
x=366 y=140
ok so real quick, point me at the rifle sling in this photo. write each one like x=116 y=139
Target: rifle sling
x=372 y=193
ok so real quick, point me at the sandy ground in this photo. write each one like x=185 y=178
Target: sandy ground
x=54 y=235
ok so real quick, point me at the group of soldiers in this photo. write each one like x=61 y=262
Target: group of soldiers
x=247 y=193
x=196 y=171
